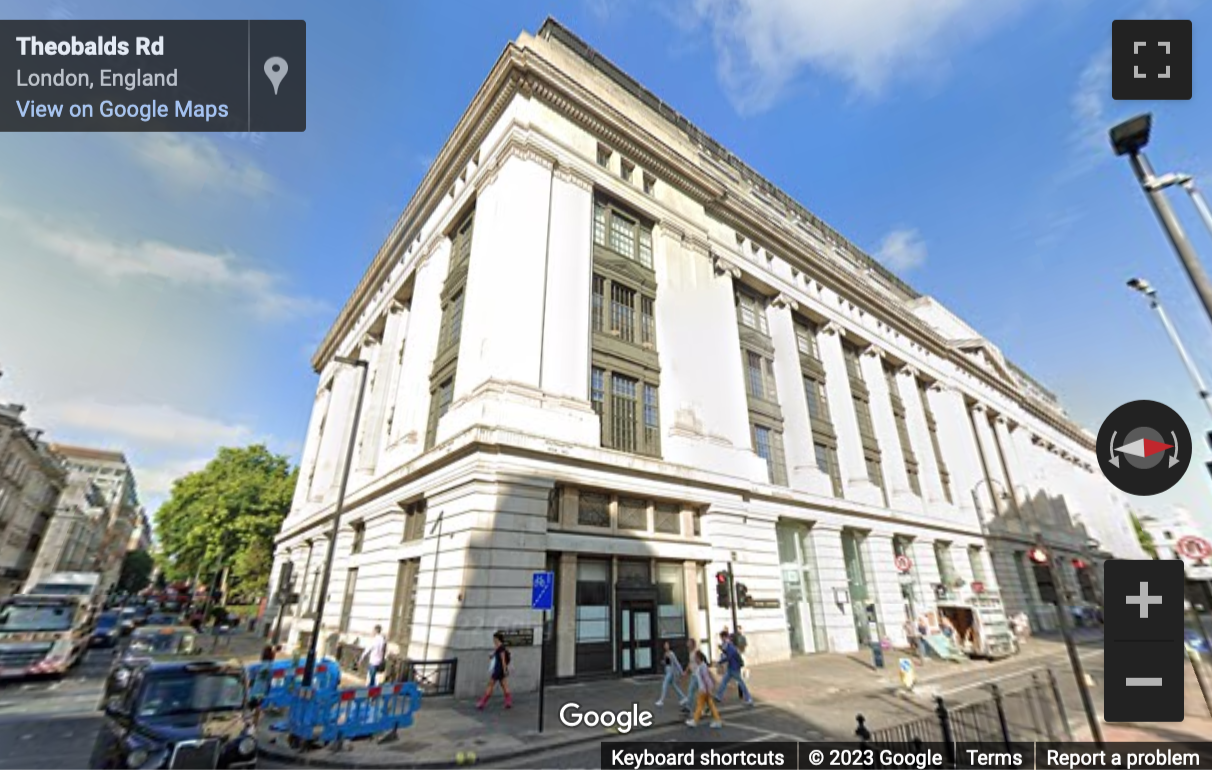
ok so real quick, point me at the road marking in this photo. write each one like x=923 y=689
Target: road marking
x=1011 y=675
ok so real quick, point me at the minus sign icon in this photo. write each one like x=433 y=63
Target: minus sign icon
x=1144 y=681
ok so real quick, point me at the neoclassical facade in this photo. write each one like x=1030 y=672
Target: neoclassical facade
x=599 y=344
x=31 y=480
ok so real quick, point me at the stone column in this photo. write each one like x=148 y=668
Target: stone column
x=851 y=464
x=958 y=446
x=336 y=432
x=371 y=417
x=802 y=472
x=831 y=572
x=998 y=488
x=311 y=448
x=382 y=401
x=1032 y=455
x=919 y=437
x=892 y=459
x=566 y=617
x=690 y=595
x=1016 y=482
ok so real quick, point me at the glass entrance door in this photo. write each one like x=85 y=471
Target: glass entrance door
x=637 y=627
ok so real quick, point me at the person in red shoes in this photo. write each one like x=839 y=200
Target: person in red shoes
x=498 y=672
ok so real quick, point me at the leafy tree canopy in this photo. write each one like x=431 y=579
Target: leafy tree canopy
x=226 y=515
x=1143 y=536
x=136 y=571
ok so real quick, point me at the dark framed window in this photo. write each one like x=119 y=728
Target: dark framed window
x=359 y=537
x=593 y=601
x=405 y=602
x=805 y=340
x=768 y=444
x=593 y=510
x=351 y=588
x=599 y=303
x=623 y=312
x=826 y=462
x=622 y=233
x=814 y=394
x=553 y=504
x=667 y=518
x=633 y=513
x=414 y=521
x=439 y=404
x=629 y=409
x=751 y=311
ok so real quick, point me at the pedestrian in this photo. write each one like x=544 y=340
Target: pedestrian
x=498 y=672
x=923 y=630
x=673 y=672
x=376 y=653
x=742 y=644
x=692 y=663
x=705 y=685
x=732 y=662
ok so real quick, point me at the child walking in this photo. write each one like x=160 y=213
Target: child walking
x=673 y=672
x=498 y=672
x=706 y=686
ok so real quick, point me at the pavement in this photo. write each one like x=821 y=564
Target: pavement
x=803 y=699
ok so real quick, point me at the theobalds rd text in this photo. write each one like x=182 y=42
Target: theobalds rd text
x=144 y=46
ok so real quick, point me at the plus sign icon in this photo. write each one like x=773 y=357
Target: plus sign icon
x=1151 y=59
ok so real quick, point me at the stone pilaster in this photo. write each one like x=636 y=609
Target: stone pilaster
x=831 y=572
x=851 y=464
x=802 y=472
x=959 y=449
x=892 y=458
x=919 y=437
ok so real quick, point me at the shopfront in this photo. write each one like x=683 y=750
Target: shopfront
x=801 y=591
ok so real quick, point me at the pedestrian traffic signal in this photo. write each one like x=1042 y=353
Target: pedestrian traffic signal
x=1038 y=555
x=723 y=590
x=743 y=599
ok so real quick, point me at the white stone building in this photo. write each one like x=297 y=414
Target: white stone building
x=31 y=479
x=92 y=528
x=600 y=344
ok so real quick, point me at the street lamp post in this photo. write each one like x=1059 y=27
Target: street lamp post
x=309 y=666
x=1041 y=555
x=1129 y=138
x=1142 y=286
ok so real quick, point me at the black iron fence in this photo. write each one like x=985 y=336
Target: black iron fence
x=433 y=677
x=1032 y=711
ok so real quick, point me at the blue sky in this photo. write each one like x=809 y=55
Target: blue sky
x=163 y=293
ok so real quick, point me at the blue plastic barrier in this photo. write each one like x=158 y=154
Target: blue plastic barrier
x=329 y=716
x=286 y=676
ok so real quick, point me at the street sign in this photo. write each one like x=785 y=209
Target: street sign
x=764 y=604
x=517 y=637
x=1198 y=572
x=1193 y=547
x=542 y=591
x=903 y=563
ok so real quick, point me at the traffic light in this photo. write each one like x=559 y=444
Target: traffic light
x=1079 y=564
x=743 y=599
x=1038 y=555
x=723 y=591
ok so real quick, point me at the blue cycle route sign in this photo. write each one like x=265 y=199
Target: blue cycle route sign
x=542 y=591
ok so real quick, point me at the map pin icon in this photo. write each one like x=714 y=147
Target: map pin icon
x=275 y=70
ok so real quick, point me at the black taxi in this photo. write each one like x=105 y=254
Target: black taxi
x=144 y=645
x=179 y=713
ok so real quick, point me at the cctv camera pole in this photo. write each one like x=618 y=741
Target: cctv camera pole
x=1174 y=231
x=1155 y=303
x=309 y=666
x=1075 y=660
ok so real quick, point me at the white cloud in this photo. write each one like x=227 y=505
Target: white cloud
x=156 y=260
x=155 y=481
x=902 y=249
x=156 y=424
x=763 y=44
x=1088 y=106
x=195 y=163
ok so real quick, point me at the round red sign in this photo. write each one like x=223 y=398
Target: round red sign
x=903 y=563
x=978 y=587
x=1193 y=547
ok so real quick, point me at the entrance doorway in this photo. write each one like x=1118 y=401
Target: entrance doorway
x=637 y=637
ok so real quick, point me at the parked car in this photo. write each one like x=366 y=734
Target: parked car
x=162 y=619
x=132 y=618
x=180 y=713
x=107 y=630
x=145 y=646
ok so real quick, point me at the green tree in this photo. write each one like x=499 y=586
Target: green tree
x=225 y=516
x=136 y=571
x=1143 y=537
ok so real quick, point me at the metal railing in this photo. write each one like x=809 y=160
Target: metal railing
x=1029 y=712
